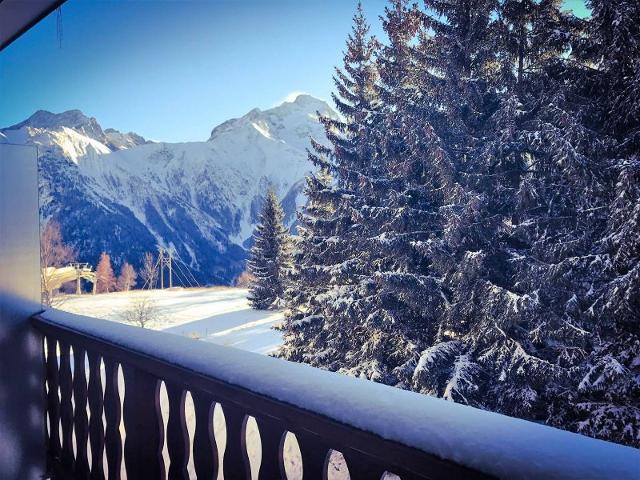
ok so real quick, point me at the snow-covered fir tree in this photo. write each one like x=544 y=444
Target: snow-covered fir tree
x=303 y=328
x=458 y=78
x=516 y=284
x=606 y=402
x=387 y=317
x=270 y=256
x=330 y=272
x=473 y=231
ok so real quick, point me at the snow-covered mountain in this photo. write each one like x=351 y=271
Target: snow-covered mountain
x=125 y=195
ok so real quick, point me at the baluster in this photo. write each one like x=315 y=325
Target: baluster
x=272 y=435
x=80 y=419
x=96 y=428
x=143 y=425
x=363 y=467
x=112 y=438
x=177 y=434
x=43 y=351
x=236 y=461
x=66 y=407
x=205 y=450
x=53 y=404
x=315 y=456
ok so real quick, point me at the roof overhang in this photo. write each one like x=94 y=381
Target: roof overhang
x=18 y=16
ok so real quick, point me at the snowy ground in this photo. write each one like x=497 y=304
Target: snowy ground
x=220 y=315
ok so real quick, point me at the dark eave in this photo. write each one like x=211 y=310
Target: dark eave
x=18 y=16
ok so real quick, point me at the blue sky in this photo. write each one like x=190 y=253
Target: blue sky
x=172 y=70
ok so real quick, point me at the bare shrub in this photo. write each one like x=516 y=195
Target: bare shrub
x=142 y=312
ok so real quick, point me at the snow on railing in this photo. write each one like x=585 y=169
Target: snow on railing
x=376 y=428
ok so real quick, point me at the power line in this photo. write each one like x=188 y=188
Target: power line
x=179 y=270
x=183 y=279
x=170 y=258
x=179 y=258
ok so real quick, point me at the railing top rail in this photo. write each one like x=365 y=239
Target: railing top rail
x=375 y=419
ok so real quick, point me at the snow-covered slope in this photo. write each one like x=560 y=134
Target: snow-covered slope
x=122 y=194
x=217 y=315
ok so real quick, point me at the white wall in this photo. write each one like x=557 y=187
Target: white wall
x=22 y=450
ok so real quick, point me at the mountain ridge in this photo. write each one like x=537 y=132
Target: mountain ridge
x=123 y=194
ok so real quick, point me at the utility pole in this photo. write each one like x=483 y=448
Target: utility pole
x=161 y=262
x=78 y=286
x=165 y=259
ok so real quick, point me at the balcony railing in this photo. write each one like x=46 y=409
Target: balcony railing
x=377 y=429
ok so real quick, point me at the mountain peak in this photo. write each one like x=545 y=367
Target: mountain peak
x=46 y=119
x=82 y=124
x=300 y=112
x=306 y=102
x=305 y=99
x=73 y=119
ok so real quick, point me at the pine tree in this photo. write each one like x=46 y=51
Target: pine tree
x=523 y=269
x=303 y=329
x=473 y=229
x=323 y=318
x=458 y=75
x=605 y=403
x=270 y=257
x=105 y=279
x=401 y=296
x=434 y=95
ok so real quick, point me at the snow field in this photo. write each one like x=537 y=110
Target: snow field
x=219 y=315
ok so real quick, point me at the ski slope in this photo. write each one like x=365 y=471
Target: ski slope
x=219 y=315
